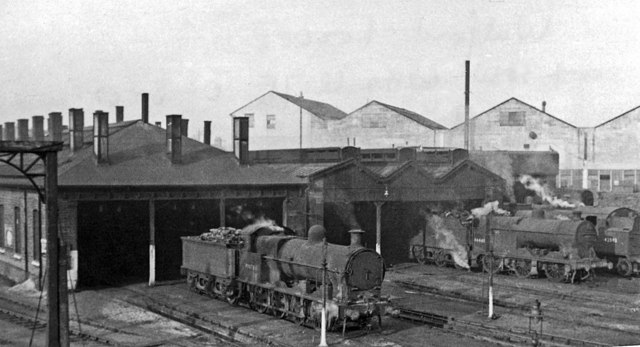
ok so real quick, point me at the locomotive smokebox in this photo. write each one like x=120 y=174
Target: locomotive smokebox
x=356 y=238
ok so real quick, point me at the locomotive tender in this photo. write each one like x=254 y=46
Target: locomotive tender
x=273 y=271
x=561 y=249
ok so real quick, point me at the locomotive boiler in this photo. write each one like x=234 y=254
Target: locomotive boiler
x=273 y=271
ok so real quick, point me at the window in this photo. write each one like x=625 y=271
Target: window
x=526 y=146
x=36 y=234
x=250 y=116
x=271 y=121
x=512 y=118
x=374 y=120
x=16 y=230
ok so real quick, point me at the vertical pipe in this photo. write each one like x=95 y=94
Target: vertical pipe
x=55 y=289
x=378 y=226
x=152 y=243
x=466 y=105
x=184 y=127
x=285 y=212
x=222 y=212
x=38 y=128
x=207 y=132
x=55 y=126
x=23 y=130
x=9 y=131
x=26 y=233
x=145 y=107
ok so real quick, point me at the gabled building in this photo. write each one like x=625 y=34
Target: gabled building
x=514 y=125
x=280 y=121
x=379 y=125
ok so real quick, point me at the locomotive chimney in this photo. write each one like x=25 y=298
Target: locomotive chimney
x=55 y=126
x=101 y=137
x=38 y=128
x=241 y=139
x=356 y=238
x=174 y=138
x=23 y=130
x=207 y=132
x=145 y=107
x=184 y=127
x=76 y=128
x=9 y=131
x=119 y=114
x=544 y=106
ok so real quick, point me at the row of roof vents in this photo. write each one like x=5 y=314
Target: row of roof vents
x=176 y=128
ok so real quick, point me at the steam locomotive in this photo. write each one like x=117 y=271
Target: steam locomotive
x=273 y=271
x=618 y=230
x=525 y=246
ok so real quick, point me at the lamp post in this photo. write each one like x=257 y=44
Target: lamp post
x=323 y=322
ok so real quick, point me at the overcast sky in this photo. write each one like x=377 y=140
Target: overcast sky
x=204 y=59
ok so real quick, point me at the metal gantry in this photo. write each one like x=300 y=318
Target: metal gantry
x=39 y=159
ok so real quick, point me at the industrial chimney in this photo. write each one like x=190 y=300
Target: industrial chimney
x=184 y=130
x=23 y=130
x=119 y=114
x=101 y=137
x=174 y=138
x=544 y=106
x=145 y=107
x=76 y=129
x=207 y=132
x=55 y=126
x=241 y=139
x=38 y=128
x=9 y=131
x=467 y=131
x=1 y=133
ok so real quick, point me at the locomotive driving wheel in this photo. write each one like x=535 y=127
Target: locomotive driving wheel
x=522 y=268
x=418 y=254
x=298 y=310
x=259 y=299
x=489 y=263
x=231 y=294
x=624 y=267
x=554 y=272
x=440 y=258
x=281 y=304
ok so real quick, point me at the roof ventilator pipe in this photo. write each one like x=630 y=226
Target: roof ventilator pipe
x=174 y=138
x=241 y=139
x=9 y=131
x=55 y=126
x=38 y=128
x=23 y=130
x=101 y=137
x=76 y=129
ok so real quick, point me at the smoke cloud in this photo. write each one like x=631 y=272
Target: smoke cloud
x=533 y=184
x=489 y=207
x=446 y=239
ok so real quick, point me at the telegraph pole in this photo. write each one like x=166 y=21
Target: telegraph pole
x=466 y=104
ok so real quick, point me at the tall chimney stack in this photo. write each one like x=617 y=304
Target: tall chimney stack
x=76 y=129
x=207 y=132
x=184 y=127
x=101 y=137
x=55 y=126
x=241 y=139
x=145 y=107
x=38 y=128
x=23 y=130
x=9 y=131
x=544 y=106
x=174 y=138
x=119 y=114
x=1 y=132
x=467 y=69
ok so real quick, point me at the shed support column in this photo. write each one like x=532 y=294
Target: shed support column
x=285 y=212
x=378 y=225
x=223 y=215
x=152 y=242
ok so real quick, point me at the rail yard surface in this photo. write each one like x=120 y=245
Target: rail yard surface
x=434 y=306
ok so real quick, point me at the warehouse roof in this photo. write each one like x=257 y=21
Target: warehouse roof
x=418 y=118
x=320 y=109
x=137 y=158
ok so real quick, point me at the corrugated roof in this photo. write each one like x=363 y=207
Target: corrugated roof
x=420 y=119
x=302 y=170
x=137 y=158
x=320 y=109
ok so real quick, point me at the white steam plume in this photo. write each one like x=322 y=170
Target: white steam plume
x=447 y=240
x=534 y=185
x=488 y=208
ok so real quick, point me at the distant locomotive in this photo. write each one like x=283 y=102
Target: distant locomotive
x=273 y=271
x=618 y=230
x=561 y=249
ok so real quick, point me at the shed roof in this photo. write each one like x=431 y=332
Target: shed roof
x=616 y=117
x=418 y=118
x=319 y=109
